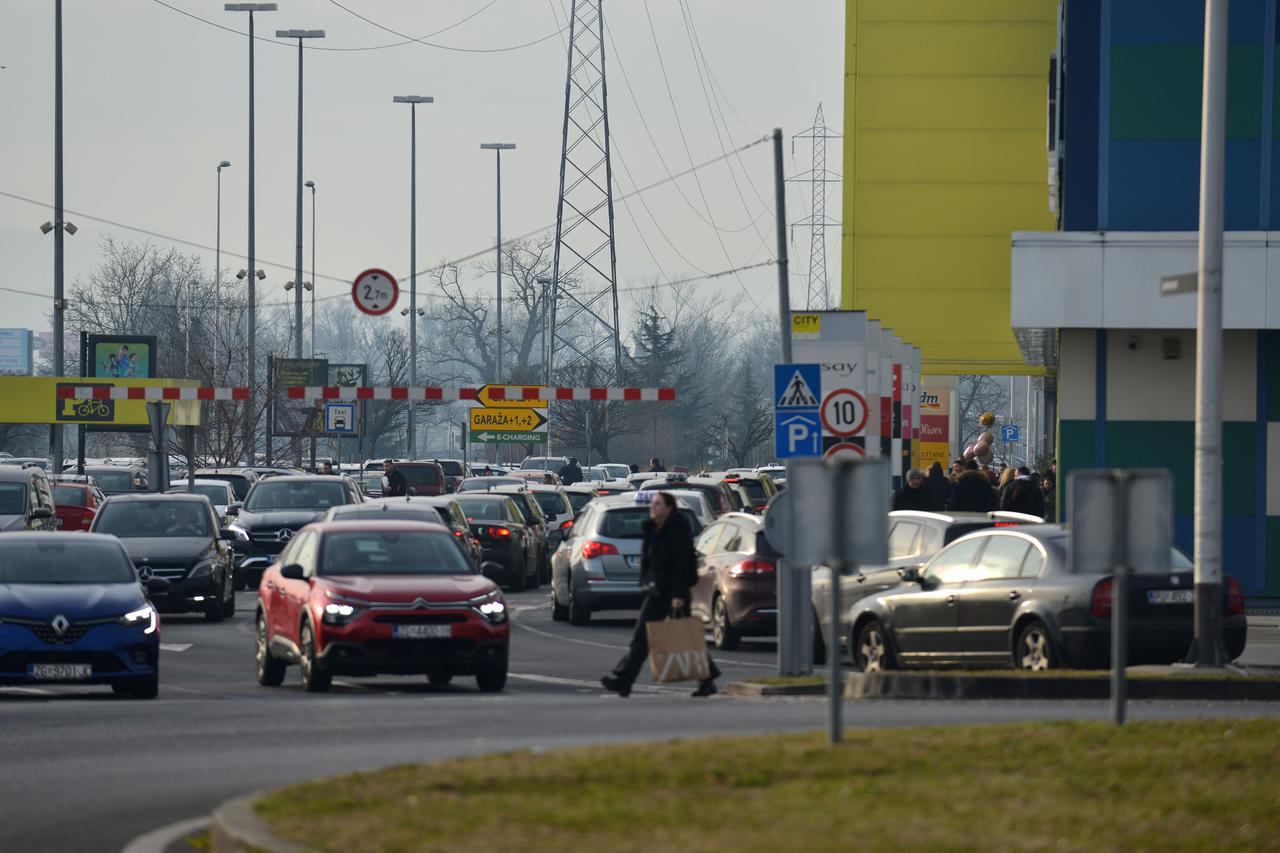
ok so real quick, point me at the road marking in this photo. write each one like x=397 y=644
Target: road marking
x=578 y=682
x=174 y=647
x=548 y=634
x=160 y=839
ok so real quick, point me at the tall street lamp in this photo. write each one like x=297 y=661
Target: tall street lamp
x=57 y=226
x=252 y=298
x=413 y=101
x=311 y=185
x=497 y=148
x=300 y=35
x=217 y=271
x=546 y=282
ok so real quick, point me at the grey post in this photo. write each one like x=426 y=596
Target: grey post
x=158 y=473
x=784 y=284
x=1207 y=648
x=59 y=367
x=497 y=148
x=252 y=296
x=217 y=271
x=839 y=566
x=1120 y=604
x=413 y=101
x=311 y=185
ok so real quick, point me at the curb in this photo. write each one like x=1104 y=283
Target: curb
x=902 y=685
x=160 y=839
x=751 y=688
x=236 y=828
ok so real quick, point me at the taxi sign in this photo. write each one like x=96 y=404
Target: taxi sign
x=645 y=496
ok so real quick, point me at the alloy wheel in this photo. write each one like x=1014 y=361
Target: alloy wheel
x=1034 y=651
x=872 y=649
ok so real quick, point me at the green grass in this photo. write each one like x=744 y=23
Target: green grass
x=789 y=680
x=1077 y=786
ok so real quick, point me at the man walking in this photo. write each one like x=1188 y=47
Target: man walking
x=394 y=484
x=668 y=571
x=571 y=472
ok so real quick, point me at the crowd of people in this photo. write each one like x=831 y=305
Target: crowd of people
x=970 y=488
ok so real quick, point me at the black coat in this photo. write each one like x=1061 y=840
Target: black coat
x=397 y=486
x=909 y=498
x=1022 y=495
x=668 y=565
x=937 y=489
x=570 y=473
x=972 y=493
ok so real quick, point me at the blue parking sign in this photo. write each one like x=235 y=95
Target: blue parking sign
x=797 y=434
x=1010 y=433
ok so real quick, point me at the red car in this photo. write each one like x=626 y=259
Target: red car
x=424 y=478
x=362 y=598
x=76 y=504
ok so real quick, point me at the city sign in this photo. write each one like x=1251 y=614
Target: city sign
x=375 y=292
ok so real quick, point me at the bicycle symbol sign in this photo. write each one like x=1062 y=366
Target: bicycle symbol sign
x=85 y=411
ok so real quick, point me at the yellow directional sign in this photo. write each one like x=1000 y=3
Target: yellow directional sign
x=485 y=398
x=507 y=420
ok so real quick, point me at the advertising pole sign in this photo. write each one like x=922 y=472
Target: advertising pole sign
x=15 y=351
x=292 y=418
x=837 y=342
x=935 y=426
x=874 y=336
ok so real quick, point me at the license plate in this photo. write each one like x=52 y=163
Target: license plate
x=1170 y=596
x=60 y=671
x=633 y=562
x=57 y=522
x=418 y=632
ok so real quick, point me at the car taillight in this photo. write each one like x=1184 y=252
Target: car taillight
x=1103 y=593
x=592 y=549
x=751 y=567
x=1233 y=599
x=459 y=533
x=500 y=532
x=1007 y=524
x=566 y=525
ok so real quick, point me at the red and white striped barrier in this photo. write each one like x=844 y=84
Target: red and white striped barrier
x=495 y=393
x=116 y=392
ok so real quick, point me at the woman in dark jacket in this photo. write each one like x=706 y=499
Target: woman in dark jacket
x=912 y=494
x=668 y=573
x=972 y=493
x=937 y=488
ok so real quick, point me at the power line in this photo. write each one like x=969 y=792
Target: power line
x=368 y=47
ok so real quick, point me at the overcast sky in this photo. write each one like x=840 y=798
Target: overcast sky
x=155 y=99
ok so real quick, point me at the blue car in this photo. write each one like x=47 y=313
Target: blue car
x=72 y=611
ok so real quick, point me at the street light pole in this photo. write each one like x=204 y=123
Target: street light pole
x=497 y=148
x=59 y=304
x=252 y=296
x=217 y=274
x=312 y=186
x=413 y=101
x=1208 y=649
x=297 y=248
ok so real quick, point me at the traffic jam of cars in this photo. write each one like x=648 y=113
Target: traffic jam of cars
x=399 y=568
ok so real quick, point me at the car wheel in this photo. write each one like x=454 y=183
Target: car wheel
x=439 y=679
x=819 y=644
x=559 y=613
x=270 y=670
x=871 y=651
x=578 y=614
x=229 y=606
x=1034 y=650
x=147 y=687
x=492 y=679
x=315 y=678
x=215 y=607
x=725 y=635
x=520 y=579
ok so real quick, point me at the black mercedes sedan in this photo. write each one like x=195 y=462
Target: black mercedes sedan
x=1007 y=597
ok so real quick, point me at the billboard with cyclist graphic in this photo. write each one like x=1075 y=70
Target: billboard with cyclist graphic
x=34 y=400
x=122 y=356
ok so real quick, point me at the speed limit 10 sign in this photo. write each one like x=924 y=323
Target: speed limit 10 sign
x=375 y=292
x=844 y=412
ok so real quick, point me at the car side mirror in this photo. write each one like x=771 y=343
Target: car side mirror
x=911 y=574
x=227 y=535
x=42 y=512
x=233 y=509
x=293 y=572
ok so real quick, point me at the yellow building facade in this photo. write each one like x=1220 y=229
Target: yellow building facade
x=944 y=158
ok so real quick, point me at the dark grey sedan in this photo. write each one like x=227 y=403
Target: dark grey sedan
x=1007 y=597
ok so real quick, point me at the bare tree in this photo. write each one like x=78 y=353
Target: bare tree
x=978 y=394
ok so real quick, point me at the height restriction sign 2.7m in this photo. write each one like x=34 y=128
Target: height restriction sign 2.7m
x=844 y=412
x=375 y=292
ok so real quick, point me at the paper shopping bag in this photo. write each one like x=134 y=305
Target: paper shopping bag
x=678 y=650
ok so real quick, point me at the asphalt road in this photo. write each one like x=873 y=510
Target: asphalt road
x=85 y=770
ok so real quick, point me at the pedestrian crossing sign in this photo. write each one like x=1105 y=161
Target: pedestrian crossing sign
x=797 y=386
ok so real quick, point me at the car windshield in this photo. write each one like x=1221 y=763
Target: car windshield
x=60 y=561
x=628 y=522
x=114 y=479
x=13 y=498
x=420 y=475
x=217 y=495
x=396 y=513
x=542 y=463
x=550 y=502
x=479 y=484
x=526 y=507
x=490 y=509
x=452 y=467
x=239 y=484
x=578 y=500
x=755 y=490
x=62 y=496
x=158 y=518
x=282 y=494
x=368 y=552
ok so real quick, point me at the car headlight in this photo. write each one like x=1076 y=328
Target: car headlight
x=239 y=532
x=203 y=569
x=144 y=617
x=340 y=610
x=491 y=607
